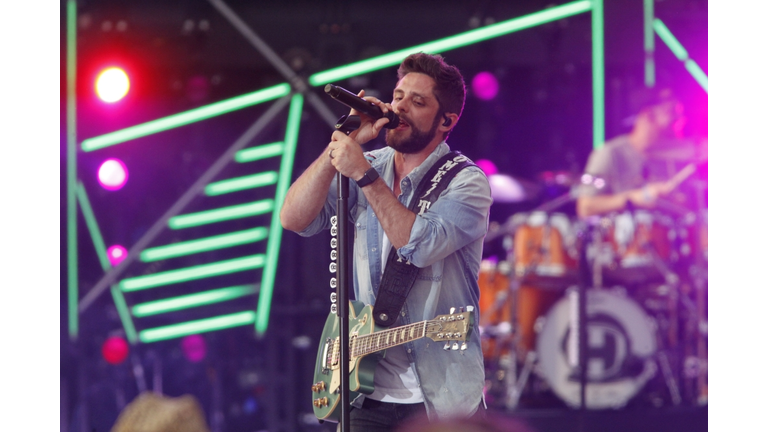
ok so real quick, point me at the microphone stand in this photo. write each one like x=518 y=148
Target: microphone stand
x=346 y=124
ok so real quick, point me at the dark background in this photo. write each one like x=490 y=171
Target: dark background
x=184 y=54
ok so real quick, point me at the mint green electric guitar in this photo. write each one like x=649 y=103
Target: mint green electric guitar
x=367 y=343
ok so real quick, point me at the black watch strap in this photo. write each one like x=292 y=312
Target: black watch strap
x=369 y=177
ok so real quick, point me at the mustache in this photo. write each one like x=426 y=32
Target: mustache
x=405 y=119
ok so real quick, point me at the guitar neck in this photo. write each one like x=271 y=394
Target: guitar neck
x=367 y=344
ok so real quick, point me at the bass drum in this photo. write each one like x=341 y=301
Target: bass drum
x=621 y=346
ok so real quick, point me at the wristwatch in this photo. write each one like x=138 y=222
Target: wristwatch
x=369 y=177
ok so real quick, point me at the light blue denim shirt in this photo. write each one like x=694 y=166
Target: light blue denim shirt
x=446 y=243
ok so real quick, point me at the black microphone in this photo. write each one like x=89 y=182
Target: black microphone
x=356 y=102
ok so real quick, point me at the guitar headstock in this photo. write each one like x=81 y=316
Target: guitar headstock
x=452 y=328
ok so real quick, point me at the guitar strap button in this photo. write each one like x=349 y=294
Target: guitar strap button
x=383 y=317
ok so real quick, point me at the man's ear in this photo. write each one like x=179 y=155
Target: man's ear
x=449 y=120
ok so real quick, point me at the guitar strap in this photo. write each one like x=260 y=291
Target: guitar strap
x=399 y=276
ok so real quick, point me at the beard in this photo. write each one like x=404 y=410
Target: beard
x=416 y=142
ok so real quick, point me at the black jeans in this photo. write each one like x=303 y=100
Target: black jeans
x=376 y=416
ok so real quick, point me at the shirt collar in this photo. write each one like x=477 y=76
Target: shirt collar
x=418 y=173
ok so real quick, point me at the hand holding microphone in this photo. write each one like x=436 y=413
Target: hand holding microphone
x=356 y=102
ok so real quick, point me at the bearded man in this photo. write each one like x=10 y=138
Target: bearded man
x=442 y=238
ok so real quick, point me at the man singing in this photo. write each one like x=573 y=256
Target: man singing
x=443 y=239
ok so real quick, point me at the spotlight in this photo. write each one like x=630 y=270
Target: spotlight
x=112 y=84
x=116 y=254
x=485 y=86
x=488 y=167
x=114 y=350
x=193 y=347
x=113 y=174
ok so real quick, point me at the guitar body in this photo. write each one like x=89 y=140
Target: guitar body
x=327 y=370
x=367 y=344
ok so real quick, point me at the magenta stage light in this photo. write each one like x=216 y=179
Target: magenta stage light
x=113 y=174
x=112 y=84
x=488 y=167
x=114 y=350
x=193 y=347
x=485 y=86
x=116 y=254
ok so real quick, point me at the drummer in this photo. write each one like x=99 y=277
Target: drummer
x=642 y=169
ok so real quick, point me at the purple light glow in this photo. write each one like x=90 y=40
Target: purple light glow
x=116 y=254
x=113 y=174
x=488 y=167
x=485 y=86
x=194 y=348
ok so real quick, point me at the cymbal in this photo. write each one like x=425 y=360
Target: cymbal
x=507 y=189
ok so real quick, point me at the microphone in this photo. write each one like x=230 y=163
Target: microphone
x=368 y=108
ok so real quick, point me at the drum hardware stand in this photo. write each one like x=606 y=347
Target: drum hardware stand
x=513 y=383
x=580 y=319
x=669 y=377
x=517 y=385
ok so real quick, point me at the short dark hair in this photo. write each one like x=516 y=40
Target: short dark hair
x=450 y=90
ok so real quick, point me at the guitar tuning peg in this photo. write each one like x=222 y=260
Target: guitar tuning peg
x=447 y=346
x=453 y=309
x=455 y=346
x=461 y=309
x=470 y=308
x=463 y=346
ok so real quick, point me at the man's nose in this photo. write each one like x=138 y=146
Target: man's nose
x=400 y=106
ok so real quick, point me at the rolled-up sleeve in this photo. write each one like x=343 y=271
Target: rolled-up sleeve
x=323 y=220
x=458 y=217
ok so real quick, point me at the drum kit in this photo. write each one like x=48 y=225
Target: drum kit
x=643 y=275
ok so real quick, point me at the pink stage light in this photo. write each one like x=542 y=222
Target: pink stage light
x=116 y=254
x=113 y=174
x=194 y=348
x=488 y=167
x=114 y=350
x=485 y=86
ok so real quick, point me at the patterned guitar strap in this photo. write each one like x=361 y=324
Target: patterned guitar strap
x=399 y=275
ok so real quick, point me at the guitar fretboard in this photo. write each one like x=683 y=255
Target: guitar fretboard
x=364 y=345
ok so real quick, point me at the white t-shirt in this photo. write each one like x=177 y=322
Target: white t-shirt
x=395 y=380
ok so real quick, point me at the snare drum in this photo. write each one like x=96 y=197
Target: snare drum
x=545 y=252
x=621 y=346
